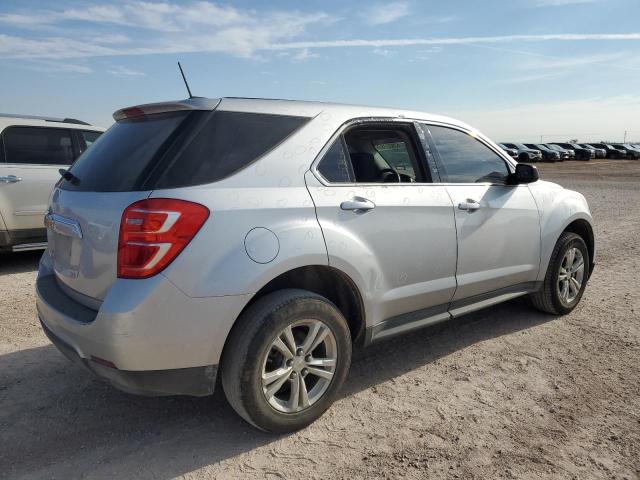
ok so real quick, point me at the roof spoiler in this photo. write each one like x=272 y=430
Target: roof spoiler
x=196 y=103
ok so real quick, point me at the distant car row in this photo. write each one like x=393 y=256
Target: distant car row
x=557 y=152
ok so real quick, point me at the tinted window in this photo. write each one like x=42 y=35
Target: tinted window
x=464 y=159
x=335 y=165
x=89 y=137
x=37 y=145
x=177 y=149
x=85 y=138
x=122 y=155
x=222 y=144
x=382 y=155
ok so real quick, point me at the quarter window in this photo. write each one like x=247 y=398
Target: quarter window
x=335 y=165
x=464 y=159
x=37 y=145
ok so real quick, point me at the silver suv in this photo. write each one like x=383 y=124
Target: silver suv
x=257 y=241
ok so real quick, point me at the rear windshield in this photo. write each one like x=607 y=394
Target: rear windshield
x=177 y=150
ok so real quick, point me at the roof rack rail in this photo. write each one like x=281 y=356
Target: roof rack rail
x=74 y=120
x=46 y=119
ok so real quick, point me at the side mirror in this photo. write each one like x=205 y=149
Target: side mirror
x=524 y=173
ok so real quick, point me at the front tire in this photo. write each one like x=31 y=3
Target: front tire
x=566 y=276
x=285 y=360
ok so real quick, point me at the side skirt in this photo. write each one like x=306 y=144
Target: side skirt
x=408 y=322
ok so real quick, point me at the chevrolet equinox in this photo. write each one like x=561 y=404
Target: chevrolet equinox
x=251 y=243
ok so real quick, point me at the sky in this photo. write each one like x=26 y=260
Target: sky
x=518 y=70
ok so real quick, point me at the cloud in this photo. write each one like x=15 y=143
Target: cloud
x=552 y=62
x=109 y=39
x=59 y=67
x=386 y=13
x=530 y=78
x=425 y=54
x=148 y=15
x=244 y=43
x=202 y=26
x=383 y=52
x=124 y=72
x=196 y=26
x=304 y=55
x=407 y=42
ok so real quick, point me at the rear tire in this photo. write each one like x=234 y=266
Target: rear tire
x=272 y=374
x=566 y=276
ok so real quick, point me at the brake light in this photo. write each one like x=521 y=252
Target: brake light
x=133 y=112
x=153 y=232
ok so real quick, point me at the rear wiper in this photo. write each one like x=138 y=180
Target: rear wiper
x=68 y=176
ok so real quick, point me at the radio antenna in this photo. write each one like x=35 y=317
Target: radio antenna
x=185 y=80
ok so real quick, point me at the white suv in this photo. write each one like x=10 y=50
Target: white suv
x=32 y=150
x=258 y=240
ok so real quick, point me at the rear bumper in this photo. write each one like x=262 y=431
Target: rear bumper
x=195 y=381
x=159 y=340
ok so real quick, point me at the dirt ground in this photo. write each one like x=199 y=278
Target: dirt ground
x=504 y=393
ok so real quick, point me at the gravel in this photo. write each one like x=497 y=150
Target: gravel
x=507 y=392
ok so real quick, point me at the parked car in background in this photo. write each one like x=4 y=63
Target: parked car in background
x=246 y=241
x=612 y=152
x=32 y=150
x=525 y=154
x=598 y=152
x=512 y=152
x=632 y=152
x=566 y=153
x=580 y=152
x=548 y=155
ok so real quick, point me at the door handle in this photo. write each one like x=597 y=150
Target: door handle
x=470 y=205
x=10 y=179
x=358 y=204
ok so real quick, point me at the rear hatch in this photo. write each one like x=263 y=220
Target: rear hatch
x=152 y=147
x=86 y=207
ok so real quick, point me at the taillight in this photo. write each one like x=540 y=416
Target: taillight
x=153 y=232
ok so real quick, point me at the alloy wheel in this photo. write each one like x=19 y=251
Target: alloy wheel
x=299 y=366
x=570 y=276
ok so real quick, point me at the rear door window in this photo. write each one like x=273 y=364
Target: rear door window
x=38 y=145
x=384 y=154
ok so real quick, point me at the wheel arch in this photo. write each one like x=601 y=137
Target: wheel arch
x=327 y=281
x=584 y=229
